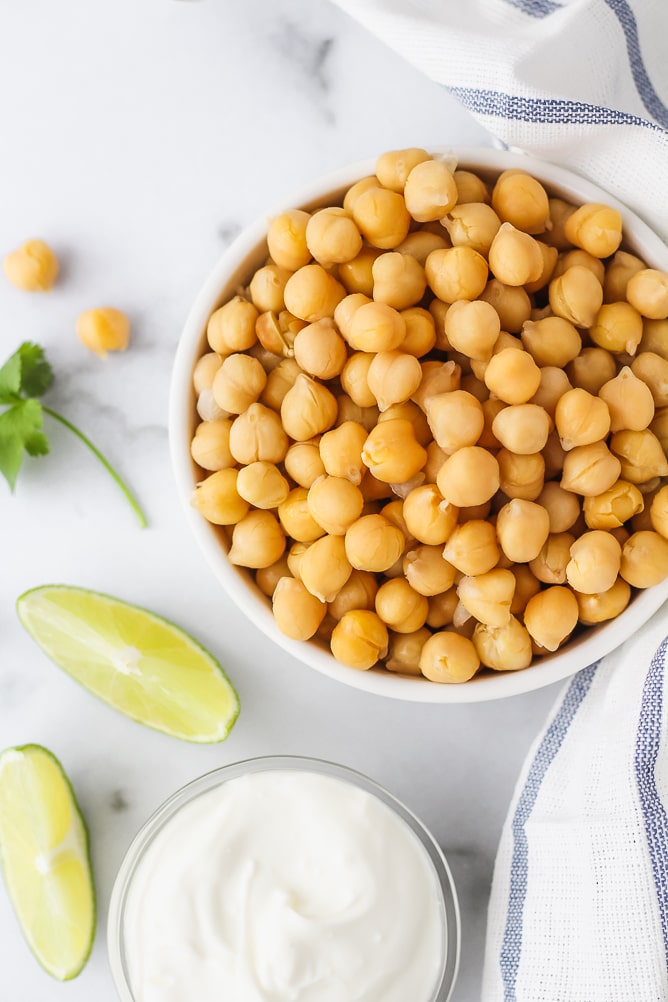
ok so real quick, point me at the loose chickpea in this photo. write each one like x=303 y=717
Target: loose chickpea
x=613 y=507
x=332 y=236
x=376 y=327
x=335 y=503
x=647 y=291
x=618 y=271
x=659 y=511
x=563 y=508
x=521 y=476
x=308 y=409
x=394 y=167
x=511 y=303
x=577 y=296
x=473 y=224
x=303 y=462
x=296 y=519
x=263 y=485
x=350 y=411
x=297 y=612
x=591 y=369
x=488 y=596
x=503 y=648
x=580 y=257
x=210 y=447
x=653 y=370
x=617 y=327
x=551 y=341
x=515 y=257
x=456 y=273
x=232 y=327
x=551 y=616
x=257 y=540
x=560 y=211
x=429 y=518
x=267 y=288
x=469 y=477
x=258 y=434
x=357 y=275
x=341 y=451
x=430 y=191
x=522 y=428
x=392 y=453
x=382 y=217
x=456 y=419
x=595 y=561
x=373 y=543
x=400 y=607
x=359 y=592
x=393 y=377
x=629 y=401
x=473 y=328
x=320 y=350
x=640 y=455
x=238 y=383
x=267 y=578
x=472 y=547
x=103 y=330
x=549 y=566
x=398 y=280
x=581 y=418
x=286 y=239
x=33 y=267
x=521 y=200
x=553 y=384
x=596 y=228
x=360 y=639
x=601 y=606
x=590 y=469
x=449 y=658
x=522 y=527
x=324 y=568
x=512 y=376
x=404 y=651
x=655 y=337
x=311 y=293
x=218 y=500
x=644 y=560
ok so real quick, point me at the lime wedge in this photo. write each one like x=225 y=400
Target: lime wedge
x=137 y=662
x=44 y=850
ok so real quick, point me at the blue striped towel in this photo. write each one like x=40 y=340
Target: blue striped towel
x=579 y=903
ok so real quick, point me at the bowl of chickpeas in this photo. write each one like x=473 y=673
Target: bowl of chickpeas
x=419 y=424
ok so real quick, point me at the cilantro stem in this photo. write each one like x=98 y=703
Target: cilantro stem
x=134 y=504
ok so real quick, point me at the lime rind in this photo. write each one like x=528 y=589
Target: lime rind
x=76 y=841
x=141 y=664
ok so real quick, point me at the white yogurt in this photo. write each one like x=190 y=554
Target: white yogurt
x=284 y=886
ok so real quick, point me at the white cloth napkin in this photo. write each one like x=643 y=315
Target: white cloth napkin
x=579 y=903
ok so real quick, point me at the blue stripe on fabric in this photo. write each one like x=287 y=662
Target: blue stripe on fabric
x=648 y=95
x=648 y=741
x=536 y=8
x=511 y=950
x=535 y=109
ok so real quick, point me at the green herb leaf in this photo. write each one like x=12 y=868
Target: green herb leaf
x=10 y=379
x=25 y=373
x=20 y=429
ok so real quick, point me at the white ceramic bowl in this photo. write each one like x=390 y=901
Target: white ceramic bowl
x=233 y=269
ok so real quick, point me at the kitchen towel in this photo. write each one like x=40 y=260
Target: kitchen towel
x=579 y=903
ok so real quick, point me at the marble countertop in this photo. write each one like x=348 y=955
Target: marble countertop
x=138 y=138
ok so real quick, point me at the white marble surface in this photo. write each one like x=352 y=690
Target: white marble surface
x=137 y=138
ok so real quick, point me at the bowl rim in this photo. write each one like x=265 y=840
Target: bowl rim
x=203 y=784
x=585 y=650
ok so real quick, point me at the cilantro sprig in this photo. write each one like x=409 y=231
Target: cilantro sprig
x=26 y=376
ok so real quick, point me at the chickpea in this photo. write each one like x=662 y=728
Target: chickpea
x=296 y=519
x=655 y=337
x=503 y=648
x=286 y=239
x=218 y=500
x=210 y=447
x=392 y=453
x=551 y=341
x=437 y=377
x=208 y=409
x=488 y=596
x=581 y=419
x=263 y=485
x=103 y=330
x=653 y=370
x=400 y=607
x=427 y=571
x=456 y=273
x=205 y=370
x=279 y=381
x=629 y=401
x=522 y=527
x=473 y=224
x=470 y=187
x=335 y=503
x=394 y=167
x=590 y=469
x=308 y=409
x=430 y=191
x=596 y=228
x=332 y=236
x=357 y=189
x=515 y=257
x=521 y=476
x=512 y=376
x=577 y=296
x=659 y=427
x=563 y=507
x=613 y=507
x=303 y=462
x=420 y=243
x=640 y=455
x=355 y=378
x=618 y=271
x=258 y=434
x=473 y=328
x=294 y=558
x=359 y=592
x=320 y=350
x=469 y=477
x=580 y=257
x=357 y=275
x=429 y=518
x=526 y=586
x=312 y=294
x=298 y=614
x=591 y=369
x=595 y=562
x=376 y=327
x=350 y=411
x=360 y=639
x=398 y=280
x=324 y=567
x=267 y=578
x=617 y=327
x=232 y=327
x=448 y=657
x=550 y=564
x=659 y=511
x=560 y=211
x=405 y=650
x=511 y=303
x=409 y=411
x=341 y=451
x=382 y=217
x=257 y=540
x=441 y=609
x=456 y=419
x=393 y=377
x=601 y=606
x=551 y=616
x=644 y=560
x=372 y=543
x=521 y=200
x=238 y=383
x=276 y=335
x=647 y=291
x=472 y=547
x=420 y=335
x=522 y=428
x=33 y=267
x=553 y=384
x=267 y=288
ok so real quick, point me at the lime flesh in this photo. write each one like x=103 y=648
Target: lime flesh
x=141 y=664
x=44 y=851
